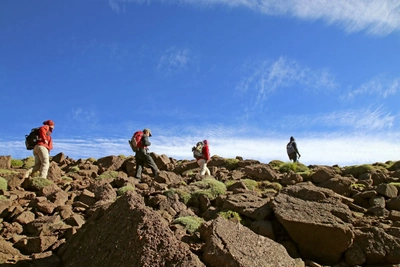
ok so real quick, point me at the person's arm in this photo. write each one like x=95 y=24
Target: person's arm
x=43 y=134
x=145 y=141
x=295 y=148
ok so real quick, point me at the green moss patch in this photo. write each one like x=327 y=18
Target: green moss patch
x=191 y=223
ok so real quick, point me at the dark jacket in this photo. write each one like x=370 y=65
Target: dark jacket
x=145 y=142
x=294 y=146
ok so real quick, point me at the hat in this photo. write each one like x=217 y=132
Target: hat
x=291 y=138
x=205 y=142
x=49 y=123
x=147 y=130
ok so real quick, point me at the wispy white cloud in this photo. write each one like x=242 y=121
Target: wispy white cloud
x=320 y=149
x=266 y=77
x=174 y=60
x=350 y=120
x=376 y=17
x=379 y=87
x=87 y=116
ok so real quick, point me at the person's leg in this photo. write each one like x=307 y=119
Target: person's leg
x=207 y=169
x=293 y=156
x=36 y=167
x=203 y=165
x=45 y=160
x=152 y=165
x=139 y=166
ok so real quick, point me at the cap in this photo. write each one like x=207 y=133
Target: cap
x=147 y=130
x=205 y=142
x=49 y=123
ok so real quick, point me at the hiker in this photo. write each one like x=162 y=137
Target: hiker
x=41 y=151
x=143 y=157
x=202 y=161
x=291 y=149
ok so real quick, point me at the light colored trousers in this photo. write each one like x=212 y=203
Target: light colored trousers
x=42 y=160
x=203 y=167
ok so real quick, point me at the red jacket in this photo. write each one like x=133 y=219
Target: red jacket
x=206 y=153
x=45 y=135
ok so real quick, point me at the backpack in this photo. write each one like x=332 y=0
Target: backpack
x=290 y=148
x=32 y=138
x=198 y=150
x=136 y=141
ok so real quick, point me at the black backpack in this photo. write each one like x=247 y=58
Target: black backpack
x=32 y=138
x=289 y=148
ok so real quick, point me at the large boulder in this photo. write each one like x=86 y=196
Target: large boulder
x=128 y=234
x=110 y=163
x=248 y=205
x=339 y=184
x=372 y=245
x=322 y=174
x=163 y=162
x=231 y=244
x=261 y=172
x=317 y=221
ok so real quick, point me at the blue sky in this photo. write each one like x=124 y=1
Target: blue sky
x=244 y=74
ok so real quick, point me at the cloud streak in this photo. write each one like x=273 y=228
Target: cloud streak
x=378 y=86
x=322 y=149
x=266 y=77
x=175 y=60
x=350 y=120
x=376 y=17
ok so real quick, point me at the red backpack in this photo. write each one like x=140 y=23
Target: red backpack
x=136 y=141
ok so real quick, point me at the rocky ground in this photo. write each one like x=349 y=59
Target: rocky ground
x=94 y=213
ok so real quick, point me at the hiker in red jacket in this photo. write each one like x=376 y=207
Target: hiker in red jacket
x=42 y=150
x=202 y=161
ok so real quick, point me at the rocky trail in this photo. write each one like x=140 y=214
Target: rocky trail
x=94 y=213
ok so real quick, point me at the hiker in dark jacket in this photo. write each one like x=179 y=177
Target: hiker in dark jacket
x=143 y=157
x=291 y=149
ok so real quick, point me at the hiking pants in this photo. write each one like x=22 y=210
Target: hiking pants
x=42 y=160
x=203 y=167
x=293 y=156
x=142 y=158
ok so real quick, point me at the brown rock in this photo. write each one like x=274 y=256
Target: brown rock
x=105 y=192
x=248 y=205
x=230 y=244
x=322 y=174
x=87 y=197
x=387 y=190
x=35 y=244
x=60 y=157
x=128 y=225
x=338 y=184
x=291 y=178
x=59 y=198
x=75 y=220
x=5 y=162
x=163 y=162
x=46 y=207
x=317 y=221
x=25 y=217
x=110 y=163
x=261 y=172
x=55 y=173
